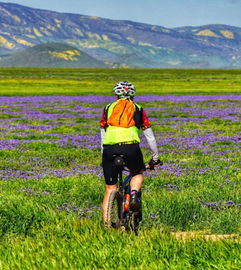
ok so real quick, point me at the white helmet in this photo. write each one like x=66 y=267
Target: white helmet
x=124 y=89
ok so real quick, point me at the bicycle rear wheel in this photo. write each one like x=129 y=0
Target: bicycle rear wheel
x=114 y=210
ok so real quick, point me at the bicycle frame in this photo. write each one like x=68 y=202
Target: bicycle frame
x=124 y=190
x=126 y=214
x=119 y=213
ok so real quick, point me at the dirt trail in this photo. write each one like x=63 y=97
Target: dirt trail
x=204 y=235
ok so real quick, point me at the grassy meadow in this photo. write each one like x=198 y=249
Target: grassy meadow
x=51 y=184
x=60 y=81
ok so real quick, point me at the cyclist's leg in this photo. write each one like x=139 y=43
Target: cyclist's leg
x=136 y=182
x=110 y=175
x=135 y=163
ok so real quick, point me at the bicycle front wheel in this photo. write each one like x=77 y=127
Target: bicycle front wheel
x=114 y=210
x=136 y=216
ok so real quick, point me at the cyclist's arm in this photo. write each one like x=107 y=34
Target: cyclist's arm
x=150 y=138
x=103 y=124
x=102 y=133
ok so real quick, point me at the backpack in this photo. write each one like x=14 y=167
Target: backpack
x=122 y=114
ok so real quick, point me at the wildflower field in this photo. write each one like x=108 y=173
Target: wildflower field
x=51 y=182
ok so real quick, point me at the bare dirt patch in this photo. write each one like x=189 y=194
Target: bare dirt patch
x=204 y=235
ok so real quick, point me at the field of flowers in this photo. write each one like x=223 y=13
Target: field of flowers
x=51 y=185
x=51 y=178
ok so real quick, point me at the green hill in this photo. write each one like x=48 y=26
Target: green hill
x=51 y=55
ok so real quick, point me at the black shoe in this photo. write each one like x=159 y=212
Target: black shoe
x=134 y=202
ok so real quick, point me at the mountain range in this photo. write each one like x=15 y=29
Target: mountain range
x=63 y=39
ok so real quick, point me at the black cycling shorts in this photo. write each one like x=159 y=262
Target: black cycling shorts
x=132 y=156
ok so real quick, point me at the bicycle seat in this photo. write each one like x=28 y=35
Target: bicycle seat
x=119 y=160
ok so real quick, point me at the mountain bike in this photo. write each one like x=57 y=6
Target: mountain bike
x=119 y=213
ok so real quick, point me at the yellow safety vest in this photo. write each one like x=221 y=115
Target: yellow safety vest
x=114 y=135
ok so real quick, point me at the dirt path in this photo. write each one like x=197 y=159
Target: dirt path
x=204 y=234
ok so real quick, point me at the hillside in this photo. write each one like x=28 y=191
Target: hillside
x=51 y=55
x=124 y=42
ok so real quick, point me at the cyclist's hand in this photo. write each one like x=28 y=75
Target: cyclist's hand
x=153 y=163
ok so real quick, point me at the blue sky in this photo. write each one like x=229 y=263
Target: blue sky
x=172 y=13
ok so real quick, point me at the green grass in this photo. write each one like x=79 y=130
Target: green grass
x=40 y=81
x=72 y=244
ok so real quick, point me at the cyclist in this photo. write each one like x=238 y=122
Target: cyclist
x=120 y=124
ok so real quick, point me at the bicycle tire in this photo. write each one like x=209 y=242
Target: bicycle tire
x=136 y=217
x=134 y=222
x=114 y=210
